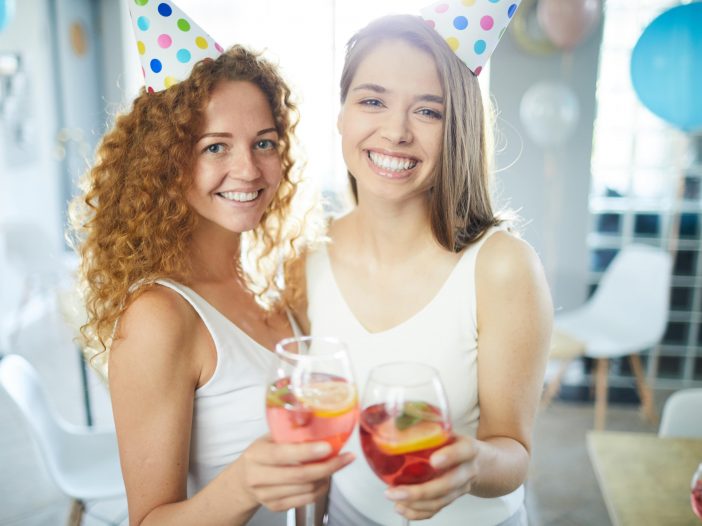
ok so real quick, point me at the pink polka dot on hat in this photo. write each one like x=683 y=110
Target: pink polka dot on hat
x=472 y=28
x=168 y=41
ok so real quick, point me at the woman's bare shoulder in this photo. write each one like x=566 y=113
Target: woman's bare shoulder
x=505 y=257
x=159 y=323
x=161 y=306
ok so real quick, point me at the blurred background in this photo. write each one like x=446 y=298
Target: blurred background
x=598 y=147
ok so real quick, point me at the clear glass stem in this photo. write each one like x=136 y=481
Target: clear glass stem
x=405 y=521
x=310 y=512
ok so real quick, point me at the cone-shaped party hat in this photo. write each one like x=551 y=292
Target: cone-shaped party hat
x=168 y=41
x=472 y=28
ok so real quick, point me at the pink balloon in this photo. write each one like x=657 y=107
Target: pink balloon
x=567 y=22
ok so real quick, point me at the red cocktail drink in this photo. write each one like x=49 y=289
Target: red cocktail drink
x=398 y=447
x=696 y=498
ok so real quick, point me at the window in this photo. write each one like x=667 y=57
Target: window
x=646 y=189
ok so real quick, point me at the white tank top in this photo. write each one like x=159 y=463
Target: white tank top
x=229 y=410
x=442 y=334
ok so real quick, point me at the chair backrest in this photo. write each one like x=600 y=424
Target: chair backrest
x=682 y=415
x=632 y=296
x=22 y=383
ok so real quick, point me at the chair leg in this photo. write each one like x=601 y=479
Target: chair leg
x=555 y=384
x=601 y=393
x=75 y=517
x=648 y=407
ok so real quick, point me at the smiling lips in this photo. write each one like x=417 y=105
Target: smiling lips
x=390 y=164
x=240 y=197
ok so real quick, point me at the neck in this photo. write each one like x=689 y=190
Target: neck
x=393 y=231
x=214 y=253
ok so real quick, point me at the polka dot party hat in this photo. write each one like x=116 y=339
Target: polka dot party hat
x=168 y=41
x=472 y=28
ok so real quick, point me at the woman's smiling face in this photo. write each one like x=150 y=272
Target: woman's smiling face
x=391 y=122
x=237 y=166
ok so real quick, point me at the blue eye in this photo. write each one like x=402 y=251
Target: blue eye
x=266 y=144
x=215 y=148
x=432 y=114
x=371 y=102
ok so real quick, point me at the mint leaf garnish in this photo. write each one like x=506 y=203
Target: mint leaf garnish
x=422 y=411
x=405 y=420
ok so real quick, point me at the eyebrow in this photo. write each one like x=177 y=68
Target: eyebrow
x=229 y=135
x=377 y=88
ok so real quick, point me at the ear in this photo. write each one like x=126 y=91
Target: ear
x=339 y=120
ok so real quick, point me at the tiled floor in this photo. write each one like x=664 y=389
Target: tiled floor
x=561 y=491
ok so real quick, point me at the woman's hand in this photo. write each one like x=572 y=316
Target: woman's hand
x=422 y=501
x=285 y=476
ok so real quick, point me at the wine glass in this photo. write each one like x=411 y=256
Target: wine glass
x=404 y=419
x=311 y=395
x=696 y=491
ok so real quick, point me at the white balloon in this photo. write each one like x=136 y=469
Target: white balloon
x=549 y=112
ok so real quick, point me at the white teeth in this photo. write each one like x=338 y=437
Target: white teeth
x=394 y=164
x=241 y=197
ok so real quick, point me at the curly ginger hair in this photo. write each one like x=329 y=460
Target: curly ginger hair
x=133 y=223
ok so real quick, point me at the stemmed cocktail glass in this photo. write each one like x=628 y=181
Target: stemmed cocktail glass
x=404 y=419
x=311 y=395
x=696 y=491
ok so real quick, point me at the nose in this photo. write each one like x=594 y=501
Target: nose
x=243 y=166
x=396 y=128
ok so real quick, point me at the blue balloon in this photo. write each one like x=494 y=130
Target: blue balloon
x=7 y=10
x=666 y=67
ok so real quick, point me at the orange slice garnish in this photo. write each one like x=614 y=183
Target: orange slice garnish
x=422 y=435
x=328 y=399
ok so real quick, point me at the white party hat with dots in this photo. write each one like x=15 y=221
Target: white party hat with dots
x=168 y=41
x=472 y=28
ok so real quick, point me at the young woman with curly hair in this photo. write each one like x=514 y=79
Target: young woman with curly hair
x=187 y=183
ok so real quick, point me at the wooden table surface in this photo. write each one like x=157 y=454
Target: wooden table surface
x=645 y=480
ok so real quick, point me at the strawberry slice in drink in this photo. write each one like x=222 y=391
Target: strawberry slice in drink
x=415 y=473
x=398 y=448
x=323 y=408
x=279 y=395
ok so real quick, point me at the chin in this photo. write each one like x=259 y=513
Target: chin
x=243 y=227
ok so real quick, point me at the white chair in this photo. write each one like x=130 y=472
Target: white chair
x=627 y=314
x=83 y=463
x=37 y=267
x=682 y=415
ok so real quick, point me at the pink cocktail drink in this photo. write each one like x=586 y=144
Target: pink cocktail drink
x=696 y=498
x=325 y=407
x=398 y=446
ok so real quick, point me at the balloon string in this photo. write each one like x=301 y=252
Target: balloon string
x=567 y=66
x=673 y=237
x=674 y=229
x=552 y=181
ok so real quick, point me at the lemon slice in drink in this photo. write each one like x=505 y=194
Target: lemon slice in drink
x=422 y=435
x=328 y=398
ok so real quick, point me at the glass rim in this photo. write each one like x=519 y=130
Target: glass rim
x=430 y=368
x=282 y=351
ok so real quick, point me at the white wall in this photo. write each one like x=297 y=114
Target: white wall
x=120 y=64
x=28 y=192
x=67 y=120
x=555 y=208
